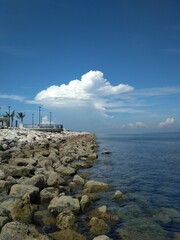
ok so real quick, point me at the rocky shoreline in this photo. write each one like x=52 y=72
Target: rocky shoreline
x=43 y=195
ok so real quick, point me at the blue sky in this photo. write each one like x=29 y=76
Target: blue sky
x=97 y=65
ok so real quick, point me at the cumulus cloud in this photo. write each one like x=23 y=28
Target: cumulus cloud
x=167 y=122
x=91 y=90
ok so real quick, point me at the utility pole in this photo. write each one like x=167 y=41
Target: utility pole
x=50 y=118
x=9 y=115
x=32 y=119
x=39 y=117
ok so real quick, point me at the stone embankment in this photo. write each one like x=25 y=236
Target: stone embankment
x=42 y=193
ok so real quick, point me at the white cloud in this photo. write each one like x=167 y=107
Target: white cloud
x=167 y=122
x=12 y=97
x=134 y=125
x=92 y=90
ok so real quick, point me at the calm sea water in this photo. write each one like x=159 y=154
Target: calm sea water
x=146 y=168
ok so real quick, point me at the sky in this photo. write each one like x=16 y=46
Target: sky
x=96 y=65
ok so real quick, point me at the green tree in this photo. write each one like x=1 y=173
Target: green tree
x=21 y=116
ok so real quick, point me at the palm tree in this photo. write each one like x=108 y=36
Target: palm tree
x=21 y=116
x=11 y=117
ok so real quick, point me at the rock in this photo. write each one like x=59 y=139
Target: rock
x=78 y=180
x=102 y=209
x=102 y=213
x=55 y=179
x=44 y=219
x=106 y=152
x=66 y=234
x=92 y=156
x=85 y=201
x=19 y=190
x=65 y=220
x=102 y=237
x=119 y=195
x=95 y=186
x=22 y=161
x=67 y=171
x=47 y=194
x=59 y=204
x=22 y=211
x=98 y=226
x=19 y=231
x=37 y=181
x=2 y=175
x=3 y=221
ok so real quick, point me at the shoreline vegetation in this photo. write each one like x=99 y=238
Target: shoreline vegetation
x=43 y=192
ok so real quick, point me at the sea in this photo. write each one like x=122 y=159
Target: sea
x=146 y=169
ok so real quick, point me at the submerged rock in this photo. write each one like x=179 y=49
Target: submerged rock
x=67 y=234
x=98 y=226
x=95 y=186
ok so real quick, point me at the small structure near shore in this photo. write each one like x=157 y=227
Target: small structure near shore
x=4 y=121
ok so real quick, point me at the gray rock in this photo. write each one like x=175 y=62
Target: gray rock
x=85 y=201
x=78 y=180
x=65 y=220
x=67 y=171
x=2 y=175
x=59 y=204
x=19 y=231
x=98 y=226
x=47 y=194
x=55 y=179
x=102 y=237
x=95 y=186
x=19 y=190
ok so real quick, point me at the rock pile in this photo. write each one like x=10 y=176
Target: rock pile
x=38 y=178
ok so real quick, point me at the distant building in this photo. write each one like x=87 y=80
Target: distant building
x=4 y=121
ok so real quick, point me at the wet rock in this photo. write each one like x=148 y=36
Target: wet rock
x=102 y=237
x=102 y=213
x=119 y=195
x=78 y=180
x=98 y=226
x=85 y=201
x=95 y=186
x=59 y=204
x=67 y=234
x=65 y=220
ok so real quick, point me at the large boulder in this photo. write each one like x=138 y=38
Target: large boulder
x=37 y=181
x=59 y=204
x=19 y=190
x=19 y=231
x=95 y=186
x=22 y=211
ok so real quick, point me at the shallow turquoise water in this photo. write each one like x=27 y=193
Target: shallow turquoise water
x=146 y=168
